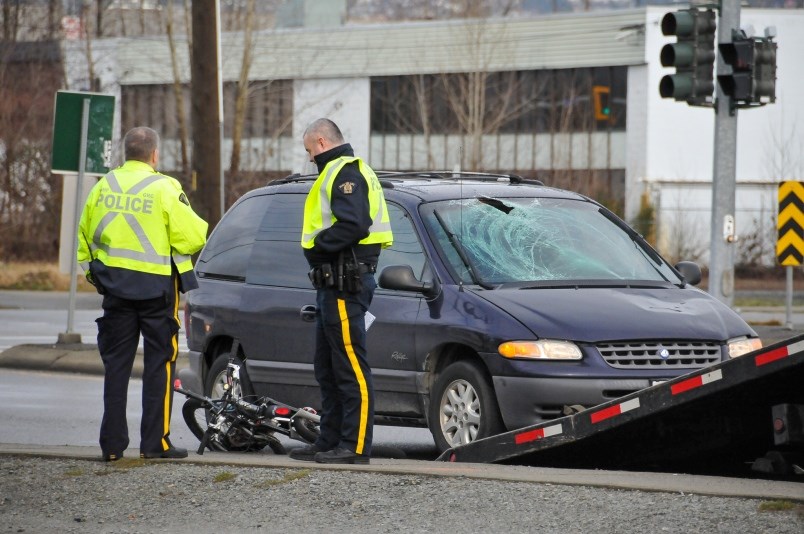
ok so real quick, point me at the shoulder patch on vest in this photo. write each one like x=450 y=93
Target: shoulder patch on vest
x=183 y=199
x=347 y=188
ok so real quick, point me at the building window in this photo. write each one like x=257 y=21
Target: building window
x=537 y=101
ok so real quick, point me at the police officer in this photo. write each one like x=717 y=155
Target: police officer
x=345 y=226
x=136 y=234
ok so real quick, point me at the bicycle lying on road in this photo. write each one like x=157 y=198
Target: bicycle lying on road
x=235 y=423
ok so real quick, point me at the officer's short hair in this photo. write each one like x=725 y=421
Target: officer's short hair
x=140 y=142
x=325 y=128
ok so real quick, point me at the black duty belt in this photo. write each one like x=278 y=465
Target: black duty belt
x=366 y=268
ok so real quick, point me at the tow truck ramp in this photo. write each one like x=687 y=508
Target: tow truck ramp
x=724 y=419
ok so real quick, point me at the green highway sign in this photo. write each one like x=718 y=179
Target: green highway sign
x=67 y=133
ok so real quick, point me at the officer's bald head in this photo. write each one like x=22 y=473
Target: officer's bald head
x=326 y=129
x=320 y=136
x=140 y=143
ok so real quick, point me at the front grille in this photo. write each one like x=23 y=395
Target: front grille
x=651 y=355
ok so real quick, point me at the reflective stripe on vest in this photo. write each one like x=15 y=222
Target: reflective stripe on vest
x=380 y=229
x=149 y=253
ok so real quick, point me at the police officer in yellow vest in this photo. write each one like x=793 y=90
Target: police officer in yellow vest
x=135 y=238
x=345 y=226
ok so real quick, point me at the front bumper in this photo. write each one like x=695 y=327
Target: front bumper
x=526 y=401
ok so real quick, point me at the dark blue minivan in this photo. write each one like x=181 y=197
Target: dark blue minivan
x=501 y=303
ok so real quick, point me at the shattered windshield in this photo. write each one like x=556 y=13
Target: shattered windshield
x=512 y=240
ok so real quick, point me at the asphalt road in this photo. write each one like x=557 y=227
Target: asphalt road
x=39 y=317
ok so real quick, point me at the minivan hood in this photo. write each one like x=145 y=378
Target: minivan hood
x=595 y=314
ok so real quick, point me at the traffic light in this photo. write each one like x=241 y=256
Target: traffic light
x=693 y=56
x=752 y=80
x=764 y=70
x=601 y=98
x=739 y=54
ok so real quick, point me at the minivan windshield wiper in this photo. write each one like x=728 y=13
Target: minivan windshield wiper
x=638 y=241
x=456 y=243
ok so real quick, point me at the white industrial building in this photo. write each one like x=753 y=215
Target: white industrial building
x=662 y=148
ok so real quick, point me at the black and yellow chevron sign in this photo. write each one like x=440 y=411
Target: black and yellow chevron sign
x=790 y=243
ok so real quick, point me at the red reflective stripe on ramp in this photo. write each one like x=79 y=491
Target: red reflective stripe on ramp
x=615 y=410
x=606 y=414
x=538 y=433
x=771 y=356
x=686 y=385
x=530 y=435
x=696 y=381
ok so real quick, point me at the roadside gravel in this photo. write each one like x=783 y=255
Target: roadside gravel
x=42 y=495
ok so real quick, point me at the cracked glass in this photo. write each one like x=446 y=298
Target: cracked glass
x=493 y=241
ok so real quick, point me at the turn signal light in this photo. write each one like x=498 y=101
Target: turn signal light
x=542 y=349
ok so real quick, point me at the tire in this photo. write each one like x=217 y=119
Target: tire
x=463 y=407
x=195 y=417
x=213 y=388
x=216 y=378
x=307 y=429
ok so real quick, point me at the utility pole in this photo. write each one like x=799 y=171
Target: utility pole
x=207 y=111
x=723 y=233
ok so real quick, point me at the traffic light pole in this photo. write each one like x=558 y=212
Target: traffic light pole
x=723 y=236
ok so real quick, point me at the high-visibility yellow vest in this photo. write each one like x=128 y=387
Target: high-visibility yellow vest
x=138 y=219
x=318 y=209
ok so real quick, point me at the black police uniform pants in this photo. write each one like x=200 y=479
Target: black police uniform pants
x=118 y=337
x=342 y=370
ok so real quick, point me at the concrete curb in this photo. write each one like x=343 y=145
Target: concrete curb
x=69 y=358
x=642 y=481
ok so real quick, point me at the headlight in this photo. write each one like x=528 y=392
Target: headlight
x=543 y=349
x=743 y=345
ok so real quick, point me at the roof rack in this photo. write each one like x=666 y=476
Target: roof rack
x=438 y=175
x=295 y=177
x=459 y=175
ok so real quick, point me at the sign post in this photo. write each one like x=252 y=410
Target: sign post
x=82 y=143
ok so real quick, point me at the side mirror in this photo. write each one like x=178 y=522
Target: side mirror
x=401 y=277
x=690 y=271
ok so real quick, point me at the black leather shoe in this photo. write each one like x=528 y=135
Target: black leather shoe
x=340 y=455
x=172 y=452
x=112 y=457
x=306 y=454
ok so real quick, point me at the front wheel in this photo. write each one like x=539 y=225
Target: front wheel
x=195 y=416
x=214 y=385
x=463 y=407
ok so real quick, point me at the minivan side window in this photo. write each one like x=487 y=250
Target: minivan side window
x=226 y=254
x=406 y=249
x=278 y=258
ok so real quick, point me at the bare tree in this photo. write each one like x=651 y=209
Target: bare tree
x=11 y=20
x=423 y=104
x=783 y=153
x=85 y=18
x=241 y=98
x=178 y=90
x=30 y=73
x=481 y=100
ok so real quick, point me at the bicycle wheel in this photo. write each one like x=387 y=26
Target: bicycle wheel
x=195 y=416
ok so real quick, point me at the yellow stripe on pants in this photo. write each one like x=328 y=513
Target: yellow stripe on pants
x=347 y=343
x=175 y=344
